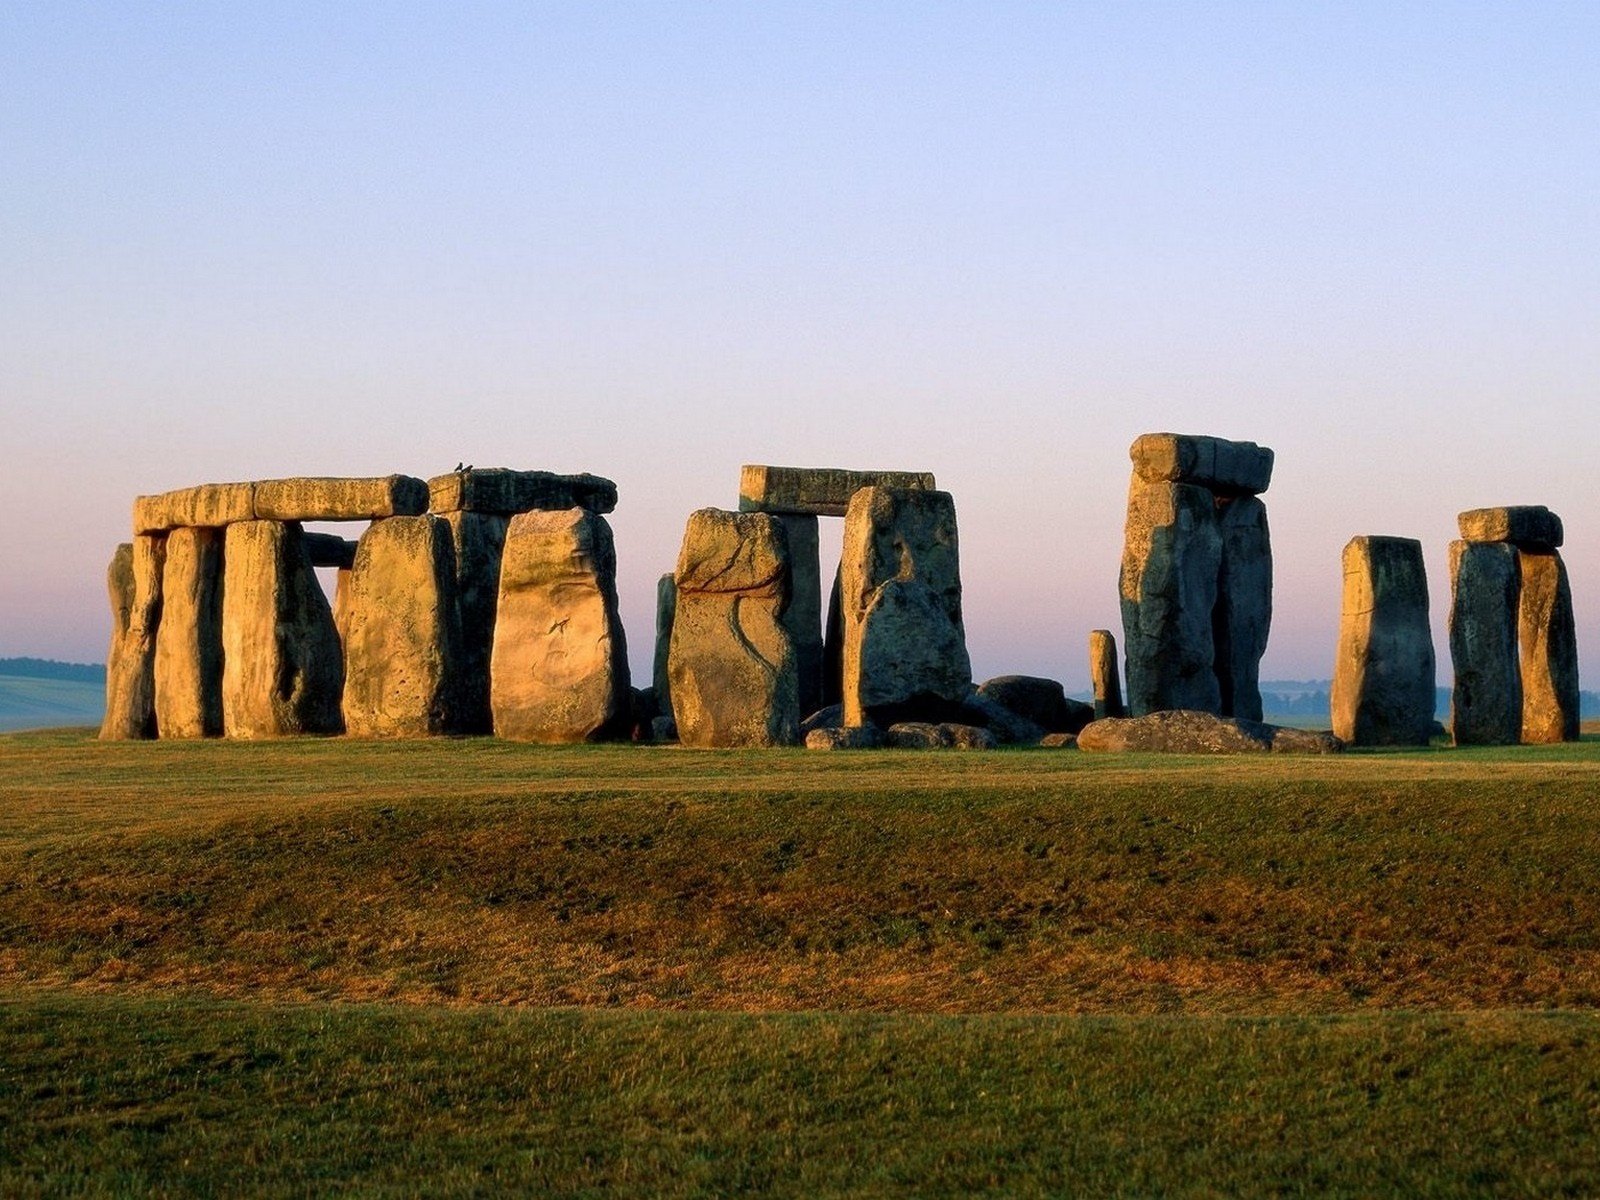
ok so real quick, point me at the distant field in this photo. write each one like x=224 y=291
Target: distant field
x=813 y=973
x=27 y=703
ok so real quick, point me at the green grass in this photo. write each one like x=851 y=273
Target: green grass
x=307 y=963
x=27 y=702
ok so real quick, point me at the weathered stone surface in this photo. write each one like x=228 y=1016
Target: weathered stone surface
x=905 y=649
x=663 y=729
x=1171 y=561
x=833 y=642
x=1059 y=741
x=1009 y=728
x=330 y=550
x=478 y=540
x=835 y=737
x=282 y=667
x=1528 y=526
x=817 y=491
x=403 y=634
x=188 y=662
x=341 y=604
x=1189 y=732
x=560 y=667
x=133 y=582
x=1549 y=640
x=1486 y=704
x=1224 y=467
x=1243 y=615
x=734 y=678
x=209 y=505
x=1043 y=702
x=340 y=499
x=507 y=492
x=1104 y=675
x=945 y=735
x=803 y=617
x=666 y=611
x=1383 y=674
x=830 y=717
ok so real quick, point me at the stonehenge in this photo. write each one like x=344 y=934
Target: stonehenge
x=1513 y=640
x=485 y=601
x=1196 y=580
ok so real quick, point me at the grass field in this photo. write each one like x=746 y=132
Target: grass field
x=316 y=964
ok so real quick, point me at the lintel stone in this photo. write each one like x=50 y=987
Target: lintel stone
x=1224 y=467
x=507 y=492
x=1526 y=526
x=302 y=499
x=816 y=491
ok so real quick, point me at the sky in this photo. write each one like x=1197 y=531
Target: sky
x=996 y=241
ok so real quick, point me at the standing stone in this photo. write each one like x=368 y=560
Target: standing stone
x=666 y=610
x=1104 y=676
x=732 y=666
x=1383 y=675
x=833 y=643
x=477 y=540
x=1549 y=650
x=282 y=667
x=1243 y=615
x=560 y=666
x=341 y=604
x=188 y=666
x=1486 y=707
x=134 y=584
x=403 y=633
x=905 y=648
x=1171 y=562
x=803 y=617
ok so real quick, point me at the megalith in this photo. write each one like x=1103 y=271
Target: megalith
x=666 y=611
x=1486 y=703
x=282 y=665
x=1549 y=644
x=188 y=663
x=1196 y=578
x=1383 y=675
x=1104 y=675
x=133 y=582
x=803 y=617
x=734 y=676
x=559 y=669
x=402 y=631
x=905 y=647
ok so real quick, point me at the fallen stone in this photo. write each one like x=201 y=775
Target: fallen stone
x=340 y=499
x=506 y=492
x=560 y=666
x=188 y=661
x=734 y=677
x=945 y=735
x=824 y=718
x=208 y=506
x=905 y=649
x=1059 y=741
x=1486 y=703
x=1383 y=675
x=1224 y=467
x=1549 y=640
x=1190 y=732
x=133 y=582
x=282 y=665
x=478 y=540
x=835 y=737
x=1104 y=674
x=816 y=491
x=1009 y=728
x=1243 y=615
x=1042 y=702
x=663 y=730
x=1529 y=527
x=330 y=550
x=1171 y=561
x=403 y=633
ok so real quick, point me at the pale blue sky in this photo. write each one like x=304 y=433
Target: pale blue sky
x=655 y=241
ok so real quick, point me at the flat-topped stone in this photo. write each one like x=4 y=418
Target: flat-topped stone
x=1527 y=526
x=1227 y=468
x=305 y=499
x=507 y=492
x=816 y=491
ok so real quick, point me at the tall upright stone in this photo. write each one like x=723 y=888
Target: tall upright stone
x=560 y=664
x=1243 y=616
x=1486 y=705
x=477 y=540
x=1104 y=675
x=803 y=617
x=833 y=643
x=905 y=646
x=133 y=582
x=1384 y=671
x=734 y=677
x=282 y=665
x=666 y=611
x=403 y=633
x=1171 y=561
x=1549 y=643
x=188 y=665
